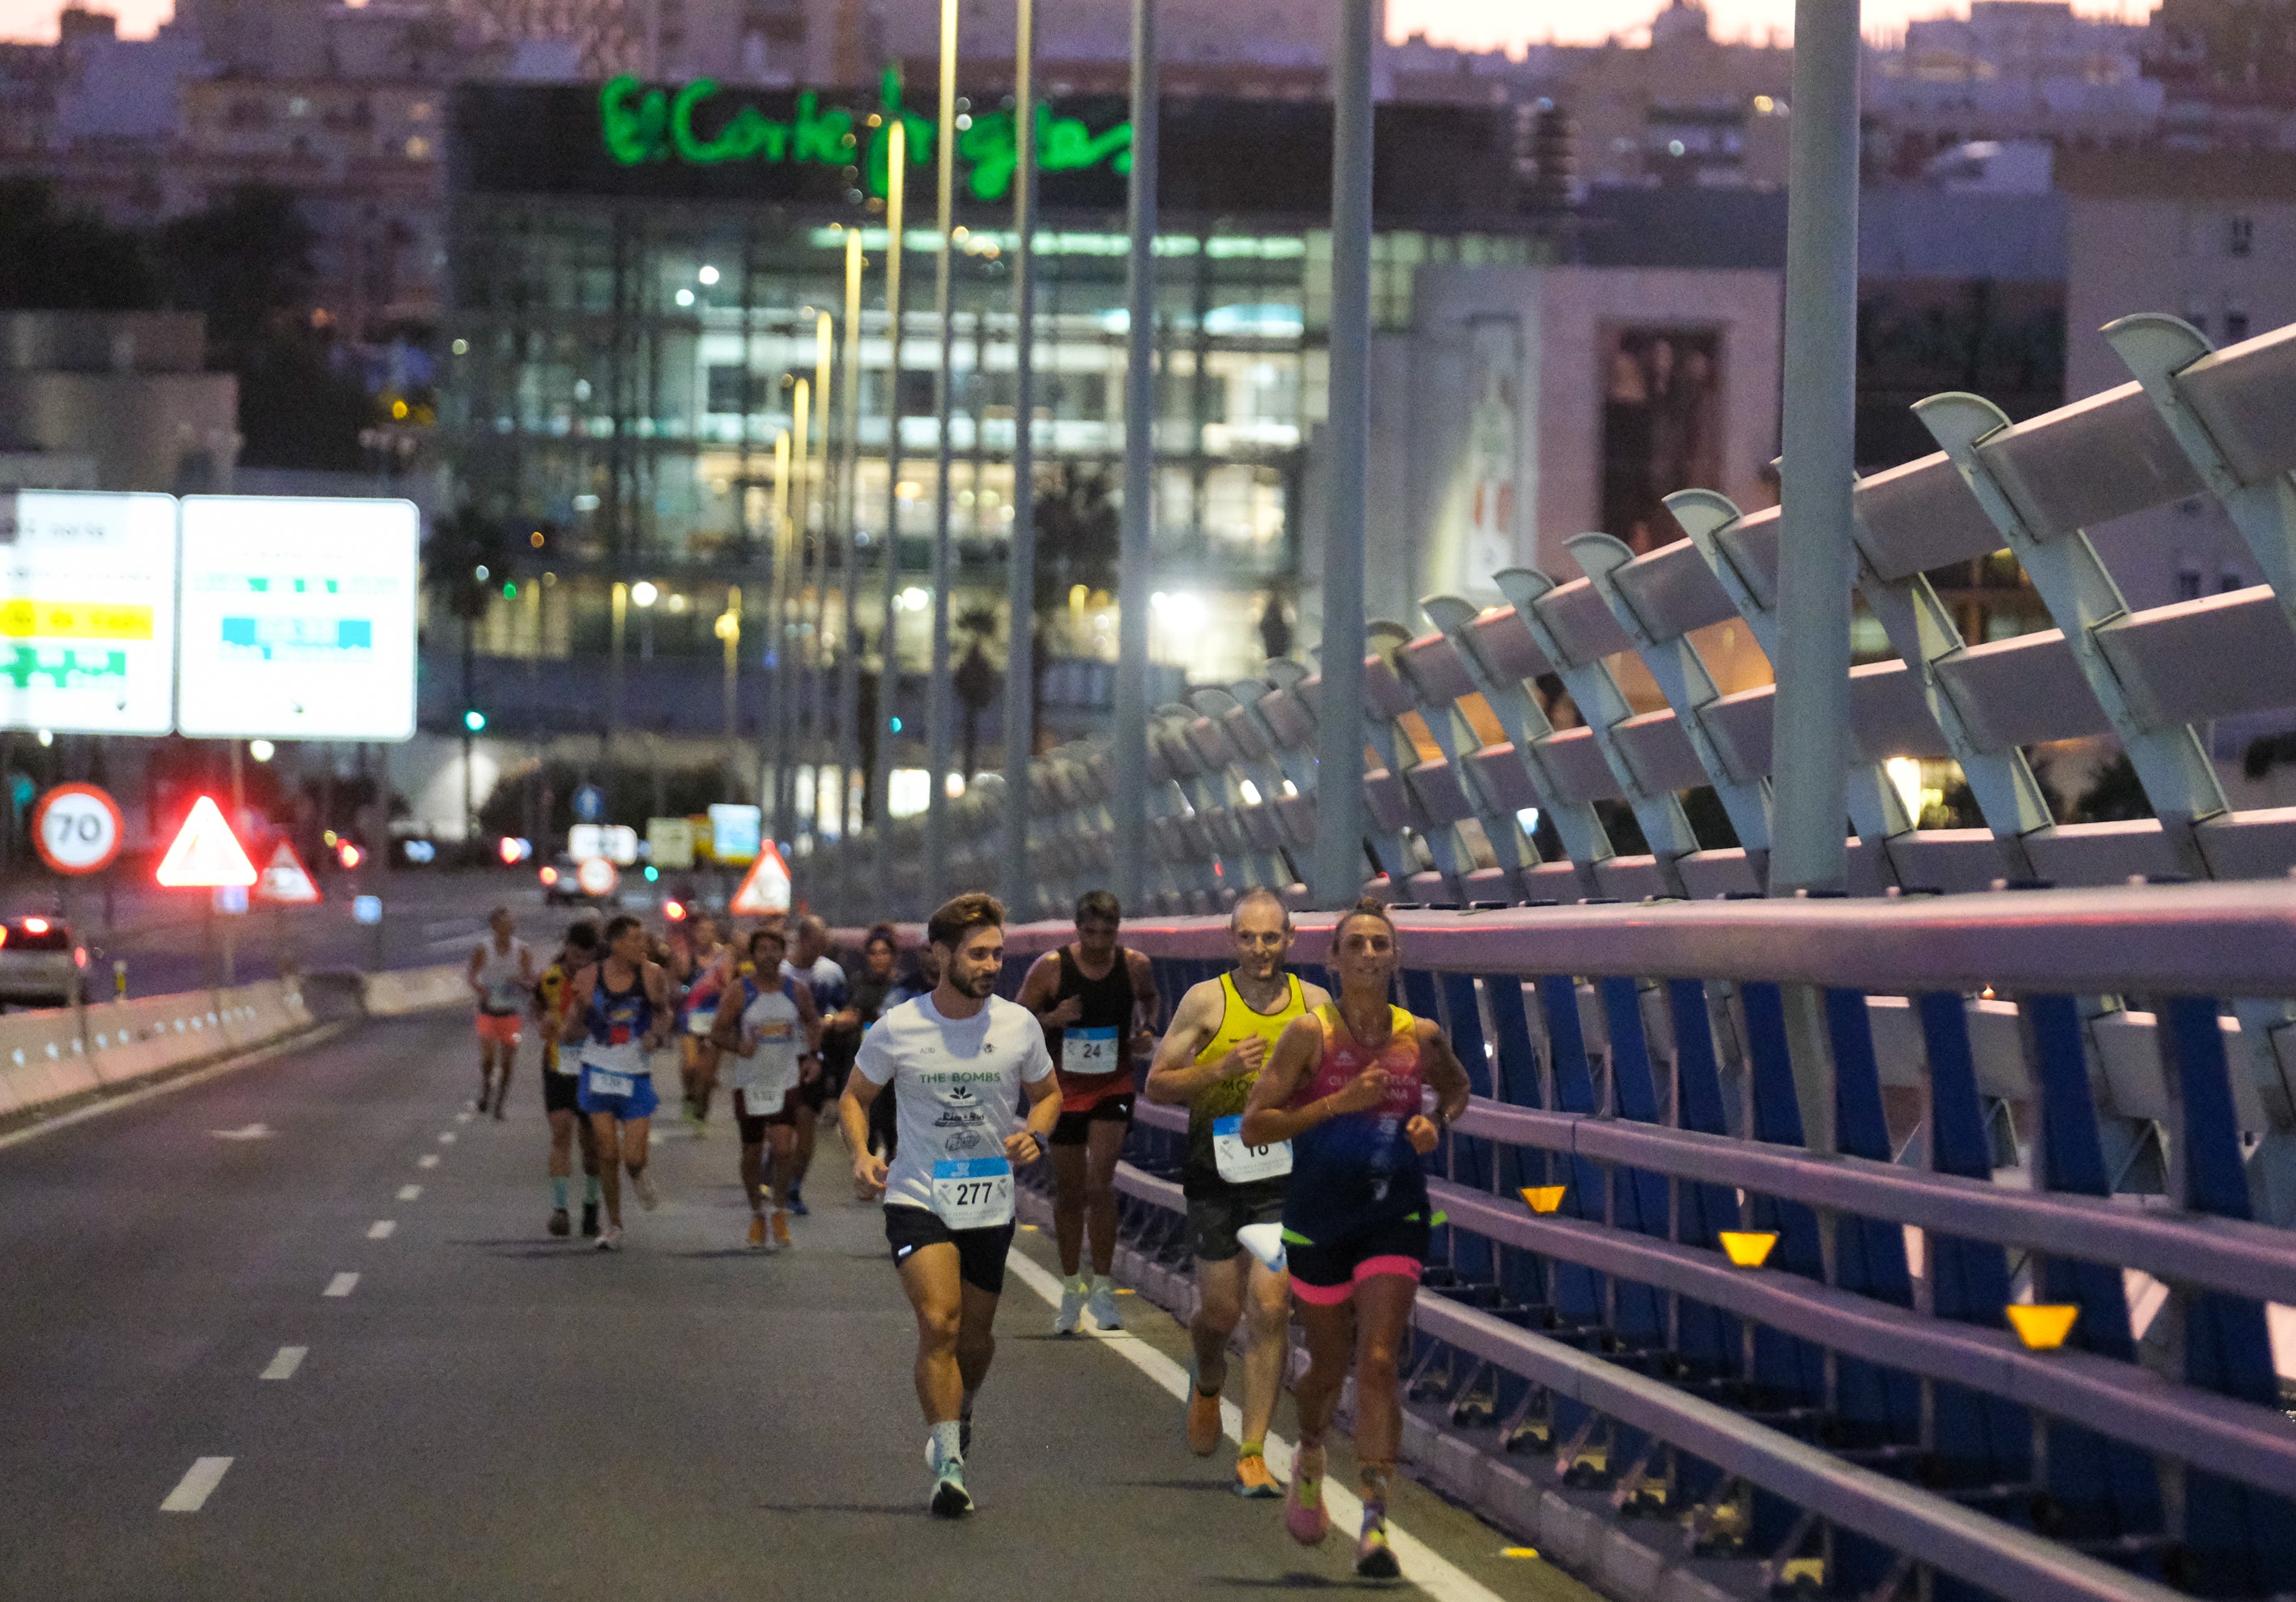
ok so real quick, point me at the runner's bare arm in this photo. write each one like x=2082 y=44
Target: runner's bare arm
x=657 y=988
x=1174 y=1077
x=1038 y=988
x=1027 y=1144
x=1449 y=1076
x=1267 y=1119
x=853 y=1118
x=1147 y=1002
x=808 y=1017
x=471 y=973
x=725 y=1033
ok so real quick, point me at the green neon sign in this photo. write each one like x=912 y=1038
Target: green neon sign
x=639 y=125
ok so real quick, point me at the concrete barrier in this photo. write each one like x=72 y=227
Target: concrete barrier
x=400 y=991
x=56 y=1055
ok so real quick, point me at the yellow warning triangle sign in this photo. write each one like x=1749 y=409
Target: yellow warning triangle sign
x=766 y=888
x=207 y=853
x=286 y=880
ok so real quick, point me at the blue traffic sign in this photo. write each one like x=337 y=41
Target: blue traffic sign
x=366 y=909
x=590 y=804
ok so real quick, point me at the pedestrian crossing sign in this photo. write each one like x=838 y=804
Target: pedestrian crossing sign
x=766 y=887
x=286 y=881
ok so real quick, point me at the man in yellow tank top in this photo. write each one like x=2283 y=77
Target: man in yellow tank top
x=1221 y=1035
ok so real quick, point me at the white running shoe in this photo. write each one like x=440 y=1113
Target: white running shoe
x=1073 y=1292
x=1265 y=1242
x=610 y=1238
x=643 y=1183
x=1102 y=1305
x=949 y=1498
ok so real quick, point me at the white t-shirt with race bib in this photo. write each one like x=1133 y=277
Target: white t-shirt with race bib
x=771 y=1020
x=956 y=1086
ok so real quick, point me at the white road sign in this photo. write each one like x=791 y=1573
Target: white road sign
x=76 y=829
x=87 y=612
x=298 y=618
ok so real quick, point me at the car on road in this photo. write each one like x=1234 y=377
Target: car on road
x=40 y=964
x=561 y=885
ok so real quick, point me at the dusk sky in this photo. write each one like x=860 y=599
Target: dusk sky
x=1480 y=24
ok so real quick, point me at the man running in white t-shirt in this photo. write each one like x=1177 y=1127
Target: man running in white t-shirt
x=501 y=975
x=957 y=1059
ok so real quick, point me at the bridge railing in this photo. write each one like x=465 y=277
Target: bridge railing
x=1468 y=756
x=1923 y=1116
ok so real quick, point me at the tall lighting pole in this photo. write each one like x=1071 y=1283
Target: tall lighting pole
x=814 y=703
x=791 y=653
x=1810 y=848
x=1020 y=578
x=938 y=708
x=1132 y=563
x=1340 y=743
x=888 y=674
x=848 y=654
x=777 y=739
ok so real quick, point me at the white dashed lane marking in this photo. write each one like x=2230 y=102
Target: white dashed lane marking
x=428 y=1160
x=410 y=1193
x=199 y=1483
x=341 y=1285
x=283 y=1365
x=447 y=1138
x=381 y=1229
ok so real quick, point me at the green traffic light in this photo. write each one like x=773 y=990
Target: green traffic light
x=652 y=872
x=510 y=592
x=474 y=720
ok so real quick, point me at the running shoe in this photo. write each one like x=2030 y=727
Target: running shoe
x=757 y=1230
x=1203 y=1418
x=797 y=1203
x=1304 y=1515
x=648 y=1195
x=782 y=1242
x=1102 y=1305
x=559 y=1225
x=1073 y=1292
x=950 y=1499
x=610 y=1238
x=1374 y=1558
x=1252 y=1479
x=589 y=1220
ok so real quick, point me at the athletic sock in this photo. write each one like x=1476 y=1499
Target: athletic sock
x=1078 y=1284
x=590 y=1190
x=1374 y=1499
x=1252 y=1448
x=558 y=1192
x=942 y=1446
x=1102 y=1282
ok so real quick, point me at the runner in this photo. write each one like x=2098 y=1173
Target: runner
x=771 y=1027
x=704 y=964
x=622 y=1007
x=956 y=1058
x=1098 y=1004
x=812 y=966
x=1344 y=1087
x=562 y=1080
x=1209 y=1059
x=884 y=1125
x=501 y=975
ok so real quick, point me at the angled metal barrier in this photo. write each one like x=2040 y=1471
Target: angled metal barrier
x=1863 y=1399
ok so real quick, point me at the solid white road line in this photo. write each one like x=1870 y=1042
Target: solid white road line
x=199 y=1483
x=381 y=1229
x=283 y=1365
x=447 y=1138
x=1424 y=1567
x=410 y=1193
x=428 y=1160
x=341 y=1285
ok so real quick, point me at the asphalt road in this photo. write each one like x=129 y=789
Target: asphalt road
x=483 y=1412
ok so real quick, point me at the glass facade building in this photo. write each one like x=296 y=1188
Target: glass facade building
x=638 y=285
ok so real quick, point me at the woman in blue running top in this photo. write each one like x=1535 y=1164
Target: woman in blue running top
x=1345 y=1087
x=623 y=1010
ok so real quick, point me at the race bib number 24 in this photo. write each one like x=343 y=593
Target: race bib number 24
x=1090 y=1051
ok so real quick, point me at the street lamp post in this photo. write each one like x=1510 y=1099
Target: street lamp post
x=1021 y=577
x=1130 y=756
x=849 y=654
x=888 y=671
x=938 y=708
x=1338 y=785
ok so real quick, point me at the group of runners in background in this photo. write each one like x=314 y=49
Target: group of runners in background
x=1309 y=1113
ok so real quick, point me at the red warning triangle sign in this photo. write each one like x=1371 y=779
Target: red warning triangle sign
x=207 y=853
x=766 y=888
x=286 y=880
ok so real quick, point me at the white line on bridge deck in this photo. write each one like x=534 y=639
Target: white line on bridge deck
x=283 y=1365
x=429 y=1160
x=410 y=1193
x=1421 y=1566
x=199 y=1483
x=381 y=1229
x=447 y=1138
x=341 y=1285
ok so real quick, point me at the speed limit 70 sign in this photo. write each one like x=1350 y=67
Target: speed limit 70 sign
x=76 y=829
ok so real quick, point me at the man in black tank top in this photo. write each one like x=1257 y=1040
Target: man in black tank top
x=1099 y=1007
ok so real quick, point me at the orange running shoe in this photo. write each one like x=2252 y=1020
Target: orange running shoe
x=1203 y=1421
x=757 y=1230
x=1252 y=1478
x=781 y=1229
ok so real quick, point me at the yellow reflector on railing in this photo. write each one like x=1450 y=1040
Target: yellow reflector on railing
x=1544 y=1198
x=1748 y=1248
x=2042 y=1326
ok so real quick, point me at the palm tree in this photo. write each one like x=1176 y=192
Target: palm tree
x=975 y=681
x=1078 y=535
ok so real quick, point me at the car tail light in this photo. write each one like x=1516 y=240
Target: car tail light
x=36 y=925
x=79 y=957
x=550 y=875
